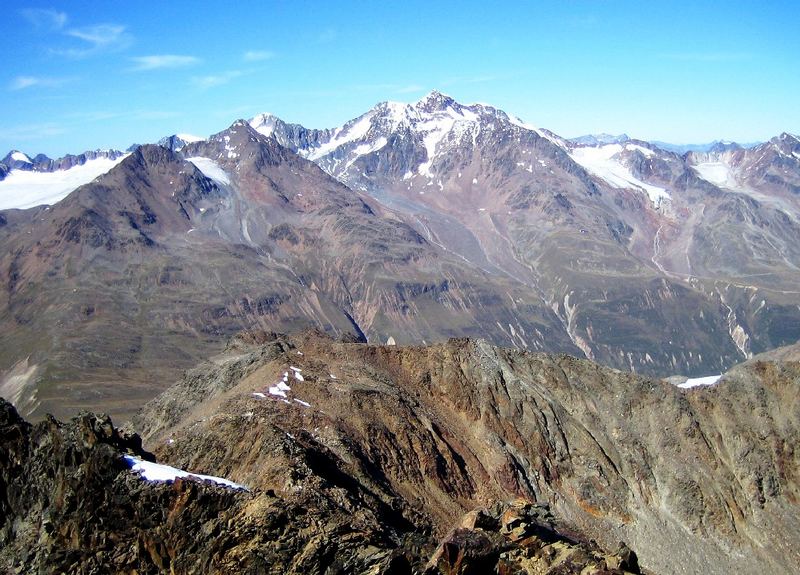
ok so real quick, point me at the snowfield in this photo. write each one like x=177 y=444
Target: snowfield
x=210 y=169
x=602 y=161
x=717 y=173
x=23 y=189
x=700 y=381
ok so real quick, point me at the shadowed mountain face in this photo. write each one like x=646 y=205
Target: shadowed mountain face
x=702 y=480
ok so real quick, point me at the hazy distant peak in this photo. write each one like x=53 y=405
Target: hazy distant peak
x=17 y=156
x=176 y=142
x=599 y=139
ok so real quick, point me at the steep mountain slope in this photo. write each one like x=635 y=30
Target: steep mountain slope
x=458 y=221
x=73 y=502
x=648 y=265
x=703 y=480
x=114 y=290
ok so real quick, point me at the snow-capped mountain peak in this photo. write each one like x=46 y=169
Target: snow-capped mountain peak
x=427 y=128
x=434 y=101
x=20 y=157
x=265 y=123
x=177 y=142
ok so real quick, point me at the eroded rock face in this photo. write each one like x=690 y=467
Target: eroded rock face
x=70 y=505
x=520 y=538
x=426 y=434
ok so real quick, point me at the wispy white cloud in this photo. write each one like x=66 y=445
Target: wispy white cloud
x=86 y=40
x=47 y=20
x=23 y=82
x=257 y=55
x=211 y=81
x=161 y=61
x=97 y=39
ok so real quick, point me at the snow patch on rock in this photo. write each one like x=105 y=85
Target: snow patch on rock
x=210 y=169
x=159 y=472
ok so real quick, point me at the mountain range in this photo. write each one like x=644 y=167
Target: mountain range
x=410 y=224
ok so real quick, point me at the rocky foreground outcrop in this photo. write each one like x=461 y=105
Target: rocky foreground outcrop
x=71 y=504
x=454 y=458
x=703 y=480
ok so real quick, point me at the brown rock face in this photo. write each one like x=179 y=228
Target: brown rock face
x=455 y=458
x=70 y=505
x=428 y=434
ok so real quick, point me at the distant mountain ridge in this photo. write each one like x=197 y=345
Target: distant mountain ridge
x=716 y=144
x=600 y=139
x=16 y=160
x=411 y=223
x=422 y=159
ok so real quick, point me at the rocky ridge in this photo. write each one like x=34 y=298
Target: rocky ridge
x=16 y=160
x=699 y=480
x=71 y=504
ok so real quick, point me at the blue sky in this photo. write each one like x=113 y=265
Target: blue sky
x=78 y=76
